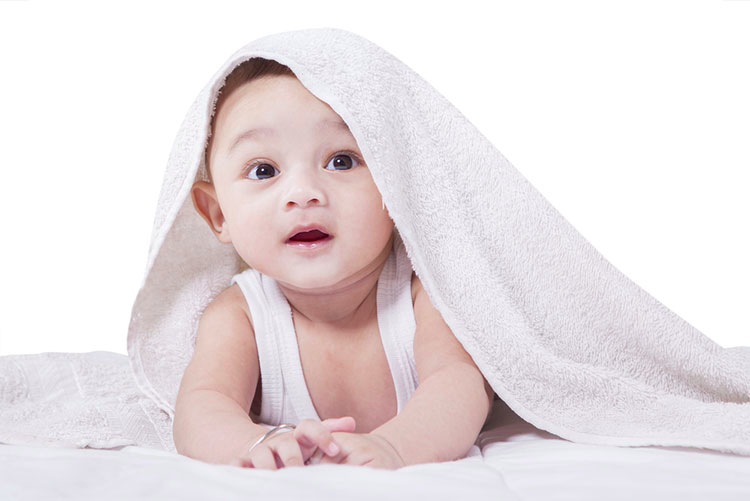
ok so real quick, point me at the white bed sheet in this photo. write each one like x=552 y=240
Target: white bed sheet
x=538 y=465
x=29 y=472
x=517 y=461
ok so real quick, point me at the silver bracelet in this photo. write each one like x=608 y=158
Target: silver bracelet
x=272 y=431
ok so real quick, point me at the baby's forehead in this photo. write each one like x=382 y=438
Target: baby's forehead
x=269 y=110
x=274 y=95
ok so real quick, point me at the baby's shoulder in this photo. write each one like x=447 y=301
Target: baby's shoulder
x=233 y=298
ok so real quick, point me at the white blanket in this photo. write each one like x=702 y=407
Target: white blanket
x=143 y=473
x=571 y=344
x=512 y=460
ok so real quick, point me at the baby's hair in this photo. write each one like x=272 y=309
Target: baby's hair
x=245 y=72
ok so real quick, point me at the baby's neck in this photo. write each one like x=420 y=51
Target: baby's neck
x=349 y=324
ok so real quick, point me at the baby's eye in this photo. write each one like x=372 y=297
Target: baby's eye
x=343 y=160
x=263 y=169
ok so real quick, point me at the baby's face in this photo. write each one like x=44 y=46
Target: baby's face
x=304 y=168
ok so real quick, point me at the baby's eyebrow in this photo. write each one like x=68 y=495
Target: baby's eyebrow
x=251 y=134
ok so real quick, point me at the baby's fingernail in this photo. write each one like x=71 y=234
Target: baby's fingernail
x=333 y=449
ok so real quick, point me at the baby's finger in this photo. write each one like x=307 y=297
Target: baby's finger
x=312 y=433
x=315 y=458
x=289 y=453
x=263 y=457
x=345 y=424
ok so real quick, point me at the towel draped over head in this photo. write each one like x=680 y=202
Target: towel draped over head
x=565 y=339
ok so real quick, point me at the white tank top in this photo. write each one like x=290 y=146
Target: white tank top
x=285 y=397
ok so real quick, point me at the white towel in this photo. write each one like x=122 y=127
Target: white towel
x=570 y=344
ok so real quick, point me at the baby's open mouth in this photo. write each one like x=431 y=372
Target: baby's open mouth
x=309 y=236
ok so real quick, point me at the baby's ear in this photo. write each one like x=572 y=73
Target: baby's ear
x=206 y=203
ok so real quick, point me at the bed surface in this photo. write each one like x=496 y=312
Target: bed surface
x=510 y=460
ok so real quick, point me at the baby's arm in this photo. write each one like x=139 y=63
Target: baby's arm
x=211 y=427
x=211 y=420
x=442 y=419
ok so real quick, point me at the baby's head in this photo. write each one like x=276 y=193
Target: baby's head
x=279 y=158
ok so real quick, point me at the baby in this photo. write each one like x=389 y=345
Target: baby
x=289 y=189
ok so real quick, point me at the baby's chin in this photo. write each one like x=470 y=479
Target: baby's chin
x=314 y=281
x=321 y=272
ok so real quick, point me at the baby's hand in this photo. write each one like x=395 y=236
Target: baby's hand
x=362 y=449
x=296 y=447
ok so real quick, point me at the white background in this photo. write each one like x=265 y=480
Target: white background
x=631 y=118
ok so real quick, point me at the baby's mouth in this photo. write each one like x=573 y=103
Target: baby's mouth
x=309 y=236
